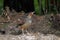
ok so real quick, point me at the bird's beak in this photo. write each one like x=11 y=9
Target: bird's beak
x=31 y=13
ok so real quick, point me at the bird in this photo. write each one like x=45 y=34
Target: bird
x=27 y=23
x=21 y=28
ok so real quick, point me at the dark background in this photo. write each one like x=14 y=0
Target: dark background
x=39 y=6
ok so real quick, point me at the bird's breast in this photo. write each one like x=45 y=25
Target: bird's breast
x=30 y=21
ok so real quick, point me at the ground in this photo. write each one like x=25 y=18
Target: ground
x=39 y=30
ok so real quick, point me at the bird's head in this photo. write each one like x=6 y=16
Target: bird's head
x=30 y=14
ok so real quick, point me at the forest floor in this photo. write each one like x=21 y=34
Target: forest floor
x=39 y=30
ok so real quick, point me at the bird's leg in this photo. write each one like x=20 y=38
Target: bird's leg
x=22 y=31
x=27 y=32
